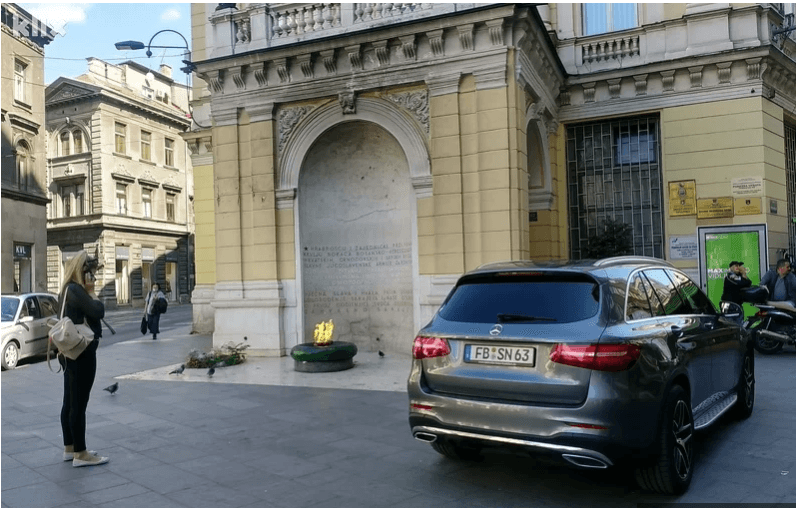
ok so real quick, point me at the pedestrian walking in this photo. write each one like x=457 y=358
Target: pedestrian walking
x=152 y=309
x=83 y=307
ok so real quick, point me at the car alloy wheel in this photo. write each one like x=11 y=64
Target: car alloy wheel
x=10 y=356
x=682 y=431
x=746 y=388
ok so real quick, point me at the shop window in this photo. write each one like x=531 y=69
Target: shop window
x=146 y=145
x=169 y=152
x=121 y=138
x=146 y=201
x=170 y=207
x=121 y=199
x=613 y=172
x=601 y=18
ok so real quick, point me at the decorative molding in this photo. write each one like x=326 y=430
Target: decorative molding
x=443 y=85
x=355 y=57
x=423 y=186
x=615 y=87
x=753 y=68
x=588 y=91
x=147 y=180
x=496 y=31
x=69 y=92
x=122 y=174
x=408 y=47
x=436 y=42
x=258 y=69
x=237 y=76
x=564 y=97
x=667 y=78
x=260 y=112
x=552 y=127
x=382 y=53
x=696 y=76
x=416 y=103
x=725 y=71
x=329 y=62
x=285 y=198
x=305 y=63
x=171 y=185
x=282 y=70
x=466 y=37
x=287 y=119
x=216 y=80
x=641 y=84
x=348 y=101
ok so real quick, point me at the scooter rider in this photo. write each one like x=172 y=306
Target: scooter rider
x=735 y=280
x=781 y=283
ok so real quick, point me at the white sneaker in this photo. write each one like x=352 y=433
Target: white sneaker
x=71 y=455
x=95 y=460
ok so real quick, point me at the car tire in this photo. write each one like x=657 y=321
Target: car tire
x=10 y=356
x=455 y=451
x=746 y=389
x=672 y=469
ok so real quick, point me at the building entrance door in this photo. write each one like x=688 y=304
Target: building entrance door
x=355 y=233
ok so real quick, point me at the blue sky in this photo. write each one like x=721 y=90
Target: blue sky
x=91 y=29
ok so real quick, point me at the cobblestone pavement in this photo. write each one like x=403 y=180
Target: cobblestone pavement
x=252 y=436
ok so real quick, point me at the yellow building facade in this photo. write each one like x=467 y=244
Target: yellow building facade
x=358 y=158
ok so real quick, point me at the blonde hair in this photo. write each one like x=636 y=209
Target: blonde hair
x=73 y=271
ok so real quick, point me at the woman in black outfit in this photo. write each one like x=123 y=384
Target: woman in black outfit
x=82 y=306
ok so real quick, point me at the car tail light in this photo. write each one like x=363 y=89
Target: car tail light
x=606 y=357
x=430 y=347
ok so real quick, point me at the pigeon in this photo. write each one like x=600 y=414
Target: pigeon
x=211 y=371
x=178 y=370
x=112 y=388
x=381 y=354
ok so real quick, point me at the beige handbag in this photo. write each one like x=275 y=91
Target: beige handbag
x=70 y=339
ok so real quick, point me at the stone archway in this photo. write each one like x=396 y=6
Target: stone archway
x=355 y=236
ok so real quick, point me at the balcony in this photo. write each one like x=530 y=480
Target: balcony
x=261 y=26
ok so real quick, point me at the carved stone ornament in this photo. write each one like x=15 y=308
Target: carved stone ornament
x=466 y=37
x=216 y=81
x=641 y=84
x=667 y=77
x=69 y=92
x=724 y=71
x=753 y=68
x=329 y=62
x=282 y=70
x=614 y=87
x=408 y=47
x=382 y=53
x=416 y=103
x=237 y=77
x=696 y=76
x=436 y=42
x=354 y=57
x=287 y=119
x=495 y=31
x=588 y=91
x=305 y=62
x=564 y=97
x=258 y=69
x=348 y=101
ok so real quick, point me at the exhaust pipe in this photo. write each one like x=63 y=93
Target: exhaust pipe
x=768 y=334
x=425 y=437
x=584 y=461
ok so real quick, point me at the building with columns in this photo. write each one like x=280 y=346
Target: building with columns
x=120 y=180
x=358 y=158
x=24 y=166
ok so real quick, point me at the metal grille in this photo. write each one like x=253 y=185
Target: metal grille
x=790 y=182
x=613 y=171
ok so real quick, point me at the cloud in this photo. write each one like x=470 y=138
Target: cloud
x=58 y=15
x=170 y=15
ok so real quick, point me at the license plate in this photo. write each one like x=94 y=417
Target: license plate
x=503 y=355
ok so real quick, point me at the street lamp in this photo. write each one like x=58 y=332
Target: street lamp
x=136 y=45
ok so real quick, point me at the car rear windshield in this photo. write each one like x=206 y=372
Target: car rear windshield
x=523 y=297
x=9 y=307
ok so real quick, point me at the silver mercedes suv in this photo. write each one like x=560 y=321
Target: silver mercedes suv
x=597 y=363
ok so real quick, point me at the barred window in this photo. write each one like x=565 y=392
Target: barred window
x=613 y=172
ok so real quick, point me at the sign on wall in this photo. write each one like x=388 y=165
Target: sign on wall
x=747 y=186
x=748 y=206
x=683 y=247
x=714 y=208
x=22 y=251
x=682 y=198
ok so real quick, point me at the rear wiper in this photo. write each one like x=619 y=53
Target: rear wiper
x=503 y=318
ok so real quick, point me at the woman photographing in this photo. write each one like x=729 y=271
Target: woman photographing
x=83 y=307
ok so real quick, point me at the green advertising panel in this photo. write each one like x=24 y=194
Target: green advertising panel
x=720 y=250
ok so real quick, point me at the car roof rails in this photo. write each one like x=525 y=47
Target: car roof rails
x=632 y=260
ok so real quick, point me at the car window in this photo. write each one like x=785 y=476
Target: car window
x=9 y=308
x=32 y=308
x=48 y=306
x=638 y=304
x=699 y=302
x=546 y=297
x=664 y=289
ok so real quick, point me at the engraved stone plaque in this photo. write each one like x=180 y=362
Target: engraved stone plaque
x=355 y=237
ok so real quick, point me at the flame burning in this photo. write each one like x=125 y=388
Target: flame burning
x=323 y=333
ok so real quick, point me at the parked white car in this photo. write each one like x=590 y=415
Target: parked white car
x=24 y=325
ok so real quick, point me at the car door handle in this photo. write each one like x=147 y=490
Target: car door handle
x=677 y=331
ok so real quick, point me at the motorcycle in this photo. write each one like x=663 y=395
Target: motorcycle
x=774 y=325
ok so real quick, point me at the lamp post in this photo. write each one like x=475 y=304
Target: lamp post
x=136 y=45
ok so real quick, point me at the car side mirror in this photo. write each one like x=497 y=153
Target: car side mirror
x=732 y=310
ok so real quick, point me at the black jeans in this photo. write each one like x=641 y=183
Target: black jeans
x=78 y=379
x=153 y=322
